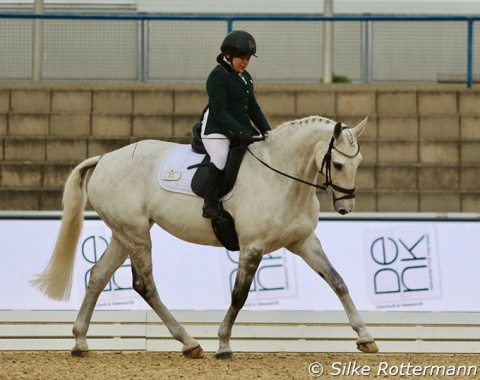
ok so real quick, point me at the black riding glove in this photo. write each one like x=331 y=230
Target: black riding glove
x=244 y=138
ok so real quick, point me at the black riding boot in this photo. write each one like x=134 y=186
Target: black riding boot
x=211 y=208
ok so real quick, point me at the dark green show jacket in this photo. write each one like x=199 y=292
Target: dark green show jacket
x=232 y=104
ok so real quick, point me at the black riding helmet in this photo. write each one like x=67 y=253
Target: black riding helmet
x=238 y=43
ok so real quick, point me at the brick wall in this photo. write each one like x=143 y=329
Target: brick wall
x=421 y=147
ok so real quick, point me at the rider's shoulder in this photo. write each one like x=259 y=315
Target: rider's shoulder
x=219 y=71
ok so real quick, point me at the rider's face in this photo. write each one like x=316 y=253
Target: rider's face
x=240 y=63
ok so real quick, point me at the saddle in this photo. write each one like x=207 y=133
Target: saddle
x=223 y=225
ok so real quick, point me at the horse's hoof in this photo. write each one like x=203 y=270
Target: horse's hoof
x=369 y=347
x=224 y=355
x=79 y=353
x=194 y=353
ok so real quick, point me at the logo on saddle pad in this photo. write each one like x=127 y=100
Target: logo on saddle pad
x=171 y=175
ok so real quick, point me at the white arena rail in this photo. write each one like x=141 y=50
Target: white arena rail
x=255 y=331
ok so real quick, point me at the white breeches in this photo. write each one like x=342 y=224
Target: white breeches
x=216 y=145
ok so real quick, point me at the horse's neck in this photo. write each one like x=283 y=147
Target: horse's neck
x=294 y=153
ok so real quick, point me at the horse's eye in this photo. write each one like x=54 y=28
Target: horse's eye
x=338 y=166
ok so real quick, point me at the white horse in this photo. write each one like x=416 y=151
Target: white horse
x=271 y=211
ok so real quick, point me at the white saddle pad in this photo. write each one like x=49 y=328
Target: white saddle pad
x=173 y=174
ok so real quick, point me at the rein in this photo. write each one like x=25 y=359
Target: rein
x=321 y=187
x=326 y=163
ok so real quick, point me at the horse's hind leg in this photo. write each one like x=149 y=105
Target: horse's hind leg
x=144 y=284
x=114 y=256
x=312 y=252
x=247 y=267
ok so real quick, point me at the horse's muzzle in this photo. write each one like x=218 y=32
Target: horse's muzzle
x=344 y=205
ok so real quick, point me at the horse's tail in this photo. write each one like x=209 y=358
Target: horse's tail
x=56 y=280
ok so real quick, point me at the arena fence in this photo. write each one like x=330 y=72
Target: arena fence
x=182 y=48
x=255 y=331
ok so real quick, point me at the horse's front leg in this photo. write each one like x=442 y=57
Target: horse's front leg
x=247 y=267
x=310 y=249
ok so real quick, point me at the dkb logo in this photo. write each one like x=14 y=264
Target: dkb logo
x=385 y=252
x=92 y=249
x=402 y=264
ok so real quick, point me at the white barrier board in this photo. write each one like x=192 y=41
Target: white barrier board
x=387 y=265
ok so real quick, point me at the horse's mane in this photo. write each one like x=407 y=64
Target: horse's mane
x=317 y=123
x=289 y=127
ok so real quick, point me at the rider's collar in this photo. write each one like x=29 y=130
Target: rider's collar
x=227 y=66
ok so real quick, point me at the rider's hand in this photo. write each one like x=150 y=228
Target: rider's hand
x=244 y=138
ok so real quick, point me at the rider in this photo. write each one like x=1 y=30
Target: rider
x=230 y=110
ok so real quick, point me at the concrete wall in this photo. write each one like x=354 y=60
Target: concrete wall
x=421 y=147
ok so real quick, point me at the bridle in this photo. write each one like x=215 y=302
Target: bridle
x=327 y=164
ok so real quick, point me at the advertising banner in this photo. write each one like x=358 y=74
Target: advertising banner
x=415 y=265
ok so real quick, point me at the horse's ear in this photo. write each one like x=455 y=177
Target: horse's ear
x=337 y=130
x=358 y=130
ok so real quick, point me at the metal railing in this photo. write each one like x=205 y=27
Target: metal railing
x=160 y=48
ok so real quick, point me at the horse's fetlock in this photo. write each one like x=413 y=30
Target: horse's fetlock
x=77 y=330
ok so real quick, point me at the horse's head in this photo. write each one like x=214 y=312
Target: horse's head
x=339 y=165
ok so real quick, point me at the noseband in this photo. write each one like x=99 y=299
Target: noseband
x=327 y=164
